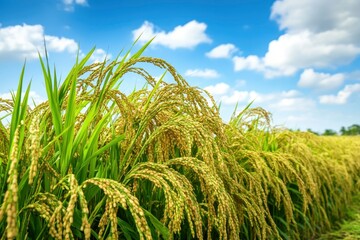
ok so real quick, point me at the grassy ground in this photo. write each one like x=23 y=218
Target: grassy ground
x=350 y=228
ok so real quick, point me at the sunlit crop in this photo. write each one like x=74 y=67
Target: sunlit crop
x=92 y=162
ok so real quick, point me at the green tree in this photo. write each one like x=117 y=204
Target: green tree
x=329 y=132
x=354 y=129
x=351 y=130
x=343 y=131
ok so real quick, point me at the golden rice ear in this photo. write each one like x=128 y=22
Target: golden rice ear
x=10 y=203
x=221 y=209
x=51 y=210
x=180 y=201
x=34 y=147
x=118 y=195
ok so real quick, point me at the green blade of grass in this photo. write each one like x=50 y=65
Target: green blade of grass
x=141 y=50
x=51 y=90
x=70 y=124
x=15 y=118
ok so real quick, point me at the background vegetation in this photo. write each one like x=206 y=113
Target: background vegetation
x=352 y=130
x=159 y=163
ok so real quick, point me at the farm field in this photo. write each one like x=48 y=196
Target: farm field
x=159 y=163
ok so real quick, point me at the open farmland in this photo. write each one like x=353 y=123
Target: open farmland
x=159 y=163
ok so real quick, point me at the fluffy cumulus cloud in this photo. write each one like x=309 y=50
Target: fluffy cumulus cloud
x=317 y=80
x=263 y=98
x=282 y=101
x=99 y=55
x=239 y=97
x=251 y=62
x=222 y=51
x=69 y=4
x=202 y=73
x=183 y=36
x=218 y=89
x=293 y=104
x=342 y=96
x=24 y=41
x=317 y=35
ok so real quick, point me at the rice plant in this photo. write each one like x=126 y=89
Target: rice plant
x=92 y=162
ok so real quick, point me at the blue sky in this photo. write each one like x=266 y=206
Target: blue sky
x=297 y=59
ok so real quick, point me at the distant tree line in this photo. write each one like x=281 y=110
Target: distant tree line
x=344 y=131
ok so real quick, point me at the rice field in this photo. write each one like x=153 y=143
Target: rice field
x=92 y=162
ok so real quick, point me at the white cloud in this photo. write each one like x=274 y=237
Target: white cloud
x=61 y=44
x=183 y=36
x=311 y=39
x=248 y=96
x=202 y=73
x=251 y=62
x=24 y=41
x=281 y=104
x=218 y=89
x=294 y=51
x=284 y=101
x=323 y=81
x=254 y=63
x=342 y=96
x=293 y=104
x=99 y=55
x=290 y=94
x=223 y=93
x=297 y=15
x=69 y=4
x=222 y=51
x=237 y=96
